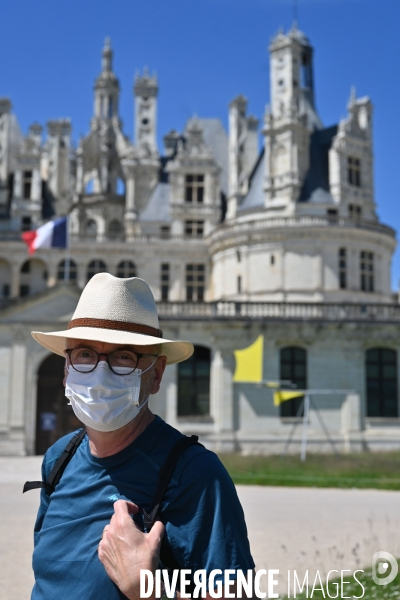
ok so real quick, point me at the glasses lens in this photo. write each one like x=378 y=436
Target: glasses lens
x=83 y=359
x=123 y=358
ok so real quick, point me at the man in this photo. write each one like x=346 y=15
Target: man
x=86 y=544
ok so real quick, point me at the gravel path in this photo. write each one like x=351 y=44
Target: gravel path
x=289 y=528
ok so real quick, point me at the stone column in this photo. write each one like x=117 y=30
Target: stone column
x=79 y=174
x=222 y=399
x=130 y=210
x=17 y=381
x=5 y=358
x=171 y=407
x=15 y=280
x=351 y=423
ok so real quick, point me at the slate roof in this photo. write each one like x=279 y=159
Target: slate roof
x=315 y=188
x=318 y=173
x=216 y=138
x=255 y=197
x=157 y=208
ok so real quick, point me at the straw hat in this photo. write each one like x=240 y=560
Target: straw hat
x=116 y=311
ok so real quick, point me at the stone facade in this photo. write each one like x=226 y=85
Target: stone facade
x=234 y=242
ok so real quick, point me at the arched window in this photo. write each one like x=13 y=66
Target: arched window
x=5 y=279
x=120 y=186
x=67 y=270
x=126 y=268
x=96 y=266
x=194 y=384
x=89 y=187
x=115 y=230
x=91 y=228
x=381 y=375
x=33 y=277
x=293 y=367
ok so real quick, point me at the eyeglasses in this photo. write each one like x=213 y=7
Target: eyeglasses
x=85 y=360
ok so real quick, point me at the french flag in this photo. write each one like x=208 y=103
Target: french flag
x=50 y=235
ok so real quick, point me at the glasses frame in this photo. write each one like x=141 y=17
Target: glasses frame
x=107 y=354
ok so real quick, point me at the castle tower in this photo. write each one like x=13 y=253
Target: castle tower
x=146 y=91
x=290 y=120
x=106 y=88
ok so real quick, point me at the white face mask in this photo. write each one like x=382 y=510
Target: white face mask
x=102 y=399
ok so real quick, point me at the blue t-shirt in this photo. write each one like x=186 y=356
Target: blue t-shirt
x=204 y=520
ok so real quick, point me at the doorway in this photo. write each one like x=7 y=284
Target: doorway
x=54 y=417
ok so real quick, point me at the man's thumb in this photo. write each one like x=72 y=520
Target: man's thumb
x=156 y=533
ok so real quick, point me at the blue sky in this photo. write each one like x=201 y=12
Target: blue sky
x=205 y=52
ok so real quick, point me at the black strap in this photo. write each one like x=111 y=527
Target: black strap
x=59 y=467
x=164 y=478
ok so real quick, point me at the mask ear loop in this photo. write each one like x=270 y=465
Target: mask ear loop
x=139 y=375
x=145 y=371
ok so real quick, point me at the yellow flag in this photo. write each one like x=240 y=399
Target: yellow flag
x=249 y=362
x=282 y=395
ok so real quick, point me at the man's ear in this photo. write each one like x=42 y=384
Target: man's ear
x=159 y=369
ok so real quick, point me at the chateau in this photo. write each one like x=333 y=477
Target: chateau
x=233 y=240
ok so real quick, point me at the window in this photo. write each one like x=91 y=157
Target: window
x=195 y=283
x=354 y=171
x=194 y=384
x=91 y=228
x=96 y=266
x=24 y=290
x=165 y=231
x=126 y=268
x=332 y=214
x=238 y=256
x=355 y=212
x=239 y=284
x=342 y=259
x=194 y=228
x=26 y=267
x=6 y=290
x=115 y=230
x=367 y=271
x=67 y=270
x=272 y=259
x=27 y=184
x=164 y=281
x=381 y=375
x=293 y=367
x=26 y=223
x=194 y=188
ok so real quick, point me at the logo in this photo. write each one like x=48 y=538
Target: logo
x=384 y=568
x=114 y=497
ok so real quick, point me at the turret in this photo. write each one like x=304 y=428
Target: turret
x=106 y=88
x=146 y=91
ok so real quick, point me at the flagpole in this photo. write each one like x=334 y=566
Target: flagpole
x=67 y=259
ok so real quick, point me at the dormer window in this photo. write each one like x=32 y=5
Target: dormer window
x=354 y=171
x=194 y=188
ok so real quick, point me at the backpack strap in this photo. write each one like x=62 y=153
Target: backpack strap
x=164 y=478
x=59 y=466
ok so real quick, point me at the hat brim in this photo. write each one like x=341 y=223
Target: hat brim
x=56 y=341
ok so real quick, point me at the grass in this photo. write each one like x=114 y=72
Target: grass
x=364 y=470
x=372 y=590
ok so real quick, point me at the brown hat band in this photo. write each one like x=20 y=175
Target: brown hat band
x=116 y=326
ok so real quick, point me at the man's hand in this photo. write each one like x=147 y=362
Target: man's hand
x=124 y=549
